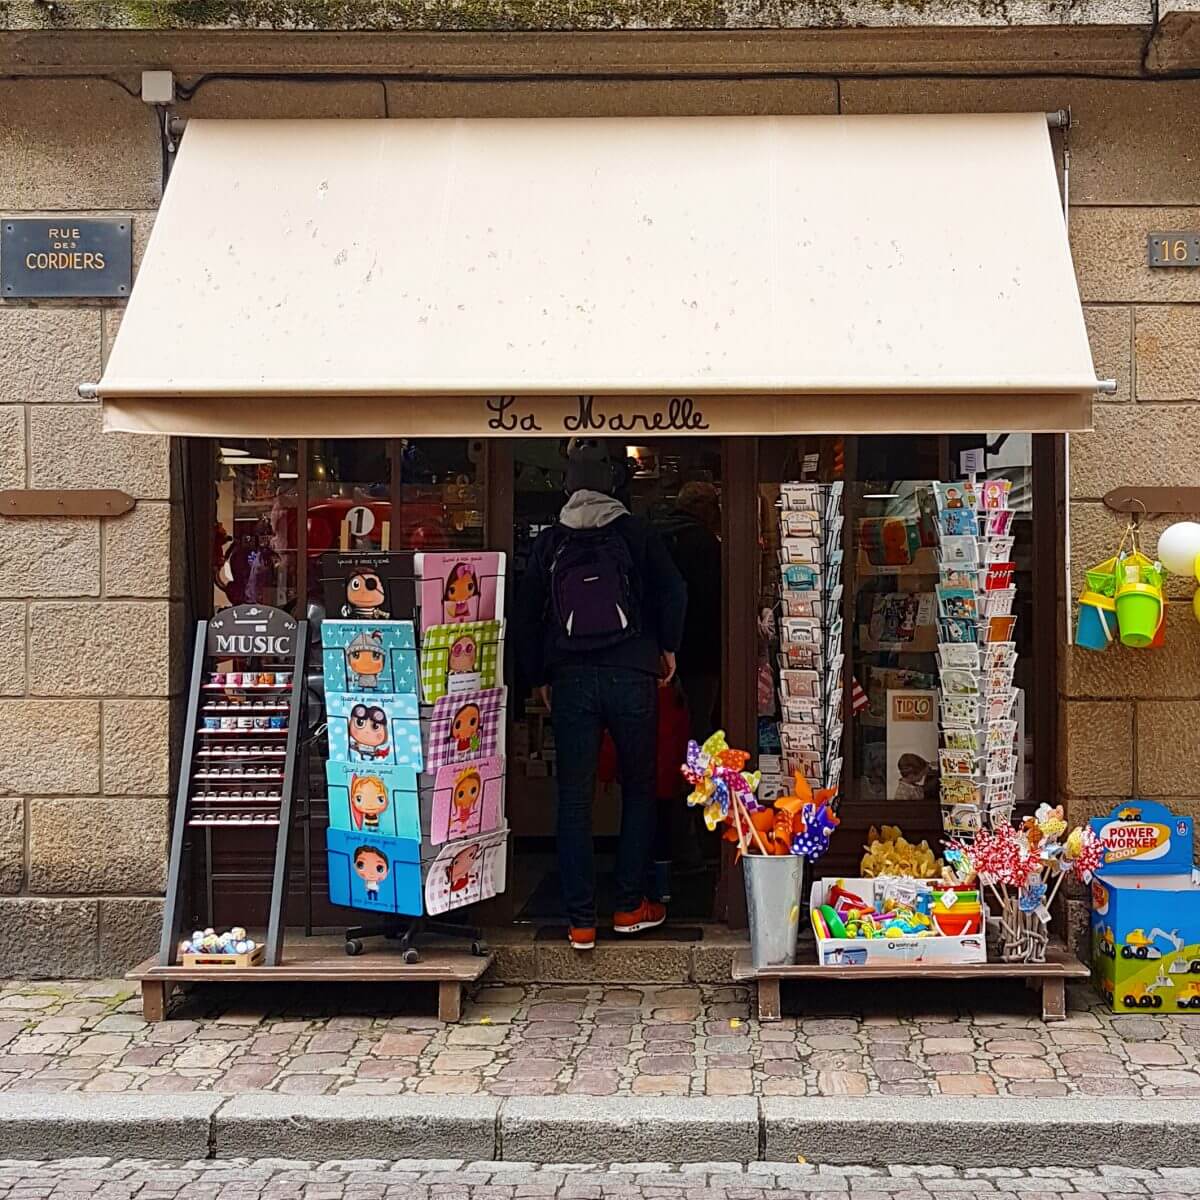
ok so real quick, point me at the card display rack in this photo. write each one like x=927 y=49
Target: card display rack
x=977 y=654
x=237 y=769
x=808 y=667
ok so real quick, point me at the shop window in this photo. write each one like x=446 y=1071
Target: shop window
x=395 y=494
x=254 y=535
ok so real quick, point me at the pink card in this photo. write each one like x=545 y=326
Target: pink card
x=468 y=799
x=459 y=586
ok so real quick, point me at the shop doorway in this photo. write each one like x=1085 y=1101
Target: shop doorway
x=656 y=472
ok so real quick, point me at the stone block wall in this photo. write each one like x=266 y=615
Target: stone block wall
x=89 y=607
x=90 y=631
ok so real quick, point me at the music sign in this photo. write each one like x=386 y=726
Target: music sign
x=65 y=256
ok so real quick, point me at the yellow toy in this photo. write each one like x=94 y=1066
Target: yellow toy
x=1188 y=996
x=1141 y=996
x=890 y=853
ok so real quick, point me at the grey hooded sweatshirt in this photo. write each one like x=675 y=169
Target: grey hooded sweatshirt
x=658 y=588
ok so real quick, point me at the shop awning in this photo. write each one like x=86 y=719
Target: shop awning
x=853 y=274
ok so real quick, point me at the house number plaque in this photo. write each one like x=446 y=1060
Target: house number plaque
x=1173 y=248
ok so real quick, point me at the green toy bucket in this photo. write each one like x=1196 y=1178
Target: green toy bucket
x=1139 y=612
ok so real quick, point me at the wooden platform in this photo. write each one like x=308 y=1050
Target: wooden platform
x=317 y=962
x=1050 y=977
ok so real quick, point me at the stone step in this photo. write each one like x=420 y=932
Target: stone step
x=686 y=953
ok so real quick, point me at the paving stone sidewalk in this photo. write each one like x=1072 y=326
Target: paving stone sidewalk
x=590 y=1040
x=367 y=1179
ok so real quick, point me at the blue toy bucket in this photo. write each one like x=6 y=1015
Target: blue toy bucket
x=1097 y=623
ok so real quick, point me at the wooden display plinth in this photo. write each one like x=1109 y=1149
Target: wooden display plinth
x=1050 y=977
x=317 y=963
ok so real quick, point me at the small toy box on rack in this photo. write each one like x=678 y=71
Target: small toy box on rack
x=251 y=958
x=883 y=949
x=1146 y=910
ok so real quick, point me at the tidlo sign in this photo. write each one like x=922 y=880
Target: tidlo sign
x=66 y=256
x=251 y=629
x=596 y=414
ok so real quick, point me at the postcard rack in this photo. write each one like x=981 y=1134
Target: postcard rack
x=809 y=661
x=238 y=766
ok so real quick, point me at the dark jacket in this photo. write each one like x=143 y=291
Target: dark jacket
x=696 y=552
x=659 y=589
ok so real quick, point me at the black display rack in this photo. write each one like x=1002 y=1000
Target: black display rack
x=238 y=766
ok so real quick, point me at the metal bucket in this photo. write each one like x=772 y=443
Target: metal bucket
x=773 y=887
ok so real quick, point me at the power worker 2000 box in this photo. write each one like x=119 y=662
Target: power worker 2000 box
x=1146 y=911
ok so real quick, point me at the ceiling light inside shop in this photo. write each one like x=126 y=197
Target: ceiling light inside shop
x=881 y=495
x=247 y=462
x=288 y=475
x=232 y=451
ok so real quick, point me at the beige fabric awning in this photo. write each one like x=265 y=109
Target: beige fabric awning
x=709 y=275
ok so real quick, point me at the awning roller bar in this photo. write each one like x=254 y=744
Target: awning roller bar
x=1060 y=118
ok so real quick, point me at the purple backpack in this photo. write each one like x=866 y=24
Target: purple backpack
x=592 y=589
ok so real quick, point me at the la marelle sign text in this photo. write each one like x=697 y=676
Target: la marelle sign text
x=595 y=414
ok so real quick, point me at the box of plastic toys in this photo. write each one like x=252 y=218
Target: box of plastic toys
x=893 y=920
x=1146 y=910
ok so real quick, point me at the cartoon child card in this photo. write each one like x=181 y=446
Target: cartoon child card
x=993 y=494
x=368 y=729
x=464 y=725
x=465 y=872
x=460 y=587
x=457 y=658
x=380 y=874
x=374 y=799
x=468 y=799
x=365 y=656
x=368 y=586
x=955 y=496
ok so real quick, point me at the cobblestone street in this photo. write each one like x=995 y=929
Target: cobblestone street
x=541 y=1040
x=279 y=1179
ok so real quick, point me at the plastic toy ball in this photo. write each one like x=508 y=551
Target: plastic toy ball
x=1178 y=546
x=1196 y=605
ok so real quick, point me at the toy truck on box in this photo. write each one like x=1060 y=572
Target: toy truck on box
x=1146 y=910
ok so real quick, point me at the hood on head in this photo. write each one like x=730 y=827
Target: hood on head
x=591 y=510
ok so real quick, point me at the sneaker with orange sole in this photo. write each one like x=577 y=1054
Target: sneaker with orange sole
x=647 y=915
x=581 y=939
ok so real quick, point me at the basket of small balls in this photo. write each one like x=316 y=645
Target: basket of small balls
x=207 y=948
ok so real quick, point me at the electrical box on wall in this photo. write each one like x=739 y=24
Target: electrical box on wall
x=158 y=87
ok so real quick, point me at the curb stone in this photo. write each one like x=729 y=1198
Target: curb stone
x=325 y=1127
x=973 y=1132
x=960 y=1133
x=70 y=1124
x=628 y=1128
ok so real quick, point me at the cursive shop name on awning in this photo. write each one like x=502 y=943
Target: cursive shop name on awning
x=679 y=414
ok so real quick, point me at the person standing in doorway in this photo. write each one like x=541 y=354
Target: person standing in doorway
x=597 y=622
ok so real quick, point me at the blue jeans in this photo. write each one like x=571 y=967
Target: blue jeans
x=584 y=702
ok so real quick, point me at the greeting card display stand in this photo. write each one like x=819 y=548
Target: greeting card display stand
x=416 y=791
x=239 y=766
x=976 y=654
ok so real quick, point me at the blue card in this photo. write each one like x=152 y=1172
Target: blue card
x=369 y=656
x=371 y=730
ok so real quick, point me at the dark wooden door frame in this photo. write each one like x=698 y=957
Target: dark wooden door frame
x=739 y=651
